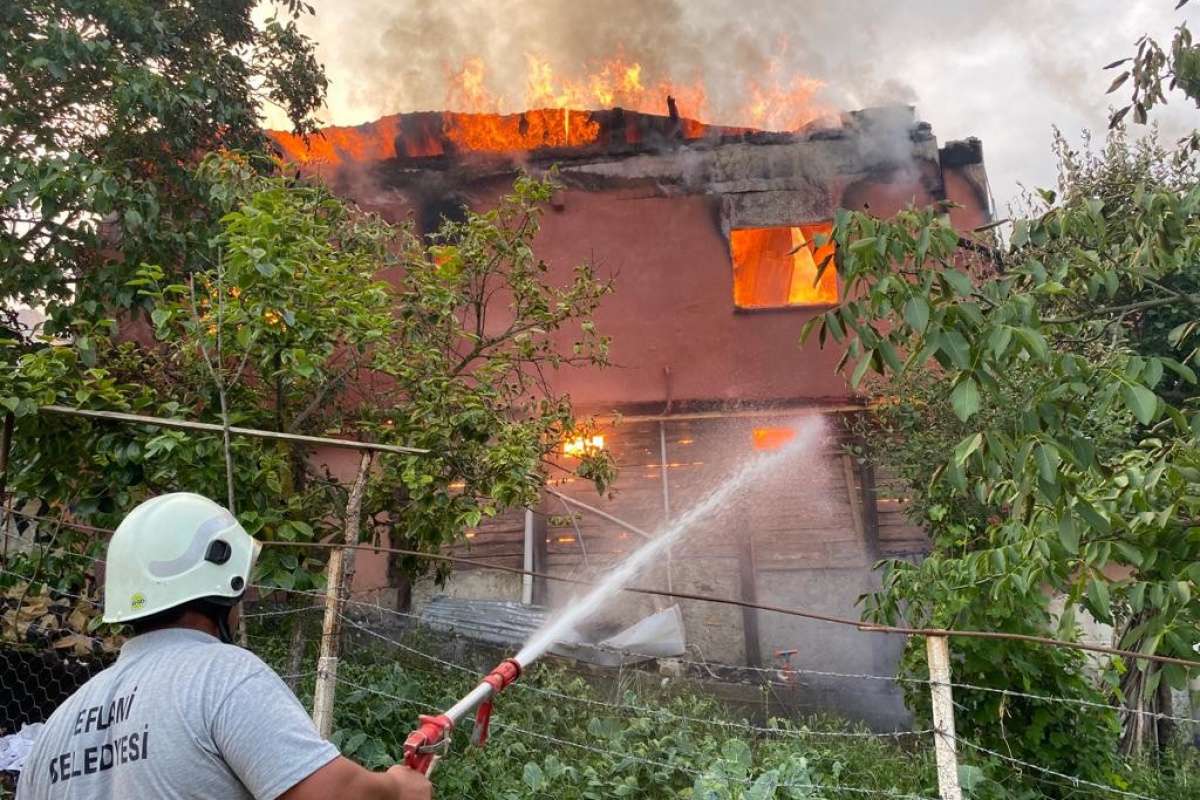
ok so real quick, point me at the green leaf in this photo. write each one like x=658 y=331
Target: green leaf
x=965 y=398
x=1034 y=342
x=956 y=347
x=1068 y=534
x=1047 y=461
x=1182 y=591
x=533 y=776
x=999 y=341
x=1128 y=552
x=1141 y=401
x=1020 y=234
x=1182 y=370
x=916 y=313
x=970 y=778
x=960 y=283
x=1153 y=372
x=966 y=447
x=835 y=326
x=354 y=742
x=861 y=369
x=1097 y=592
x=764 y=786
x=1137 y=597
x=890 y=356
x=1093 y=517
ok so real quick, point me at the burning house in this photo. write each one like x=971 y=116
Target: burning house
x=711 y=236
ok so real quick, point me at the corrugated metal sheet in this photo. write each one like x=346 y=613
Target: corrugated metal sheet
x=508 y=625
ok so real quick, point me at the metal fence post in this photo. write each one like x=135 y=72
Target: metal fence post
x=336 y=589
x=937 y=651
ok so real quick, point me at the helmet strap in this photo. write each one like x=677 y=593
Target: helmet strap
x=218 y=610
x=223 y=632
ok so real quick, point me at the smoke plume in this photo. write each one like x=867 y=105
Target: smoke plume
x=1003 y=71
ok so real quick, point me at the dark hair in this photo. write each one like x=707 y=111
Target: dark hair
x=217 y=612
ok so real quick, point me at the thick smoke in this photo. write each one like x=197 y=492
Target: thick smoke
x=1003 y=71
x=387 y=56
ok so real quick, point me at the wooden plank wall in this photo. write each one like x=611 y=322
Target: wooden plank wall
x=807 y=514
x=898 y=536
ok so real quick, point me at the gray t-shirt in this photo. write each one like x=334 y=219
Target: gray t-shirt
x=178 y=716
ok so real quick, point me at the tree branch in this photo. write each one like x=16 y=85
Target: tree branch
x=1193 y=299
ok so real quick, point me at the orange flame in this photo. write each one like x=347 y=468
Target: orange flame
x=772 y=438
x=615 y=82
x=467 y=88
x=787 y=106
x=558 y=115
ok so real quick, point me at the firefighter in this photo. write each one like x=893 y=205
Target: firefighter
x=183 y=713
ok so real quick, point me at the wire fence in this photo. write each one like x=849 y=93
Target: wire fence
x=46 y=655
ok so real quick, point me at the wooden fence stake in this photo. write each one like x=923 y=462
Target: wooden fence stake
x=340 y=563
x=6 y=437
x=937 y=651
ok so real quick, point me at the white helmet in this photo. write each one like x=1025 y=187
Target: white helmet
x=173 y=549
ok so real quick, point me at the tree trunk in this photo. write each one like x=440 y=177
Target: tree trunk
x=1146 y=695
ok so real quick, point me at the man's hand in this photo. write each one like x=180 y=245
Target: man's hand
x=411 y=784
x=343 y=778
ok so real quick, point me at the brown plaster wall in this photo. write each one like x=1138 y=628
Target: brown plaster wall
x=672 y=306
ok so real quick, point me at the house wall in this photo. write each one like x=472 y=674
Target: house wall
x=802 y=534
x=807 y=536
x=672 y=309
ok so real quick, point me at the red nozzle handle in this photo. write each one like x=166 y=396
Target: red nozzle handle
x=505 y=673
x=424 y=744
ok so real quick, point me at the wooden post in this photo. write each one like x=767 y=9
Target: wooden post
x=937 y=651
x=870 y=503
x=541 y=557
x=341 y=563
x=527 y=559
x=855 y=499
x=748 y=575
x=6 y=436
x=666 y=493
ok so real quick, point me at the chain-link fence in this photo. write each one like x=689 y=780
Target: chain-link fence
x=34 y=682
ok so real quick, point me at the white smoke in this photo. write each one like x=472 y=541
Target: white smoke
x=1002 y=71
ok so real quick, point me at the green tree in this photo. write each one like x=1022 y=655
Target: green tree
x=105 y=107
x=1154 y=71
x=289 y=328
x=1043 y=414
x=1048 y=427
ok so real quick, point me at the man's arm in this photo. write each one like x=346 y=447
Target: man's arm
x=268 y=741
x=343 y=778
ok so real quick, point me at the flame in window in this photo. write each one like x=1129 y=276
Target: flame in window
x=581 y=446
x=772 y=438
x=777 y=267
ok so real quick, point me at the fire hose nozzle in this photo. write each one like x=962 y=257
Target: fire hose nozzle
x=426 y=744
x=429 y=742
x=505 y=673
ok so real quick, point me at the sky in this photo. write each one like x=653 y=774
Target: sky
x=1005 y=72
